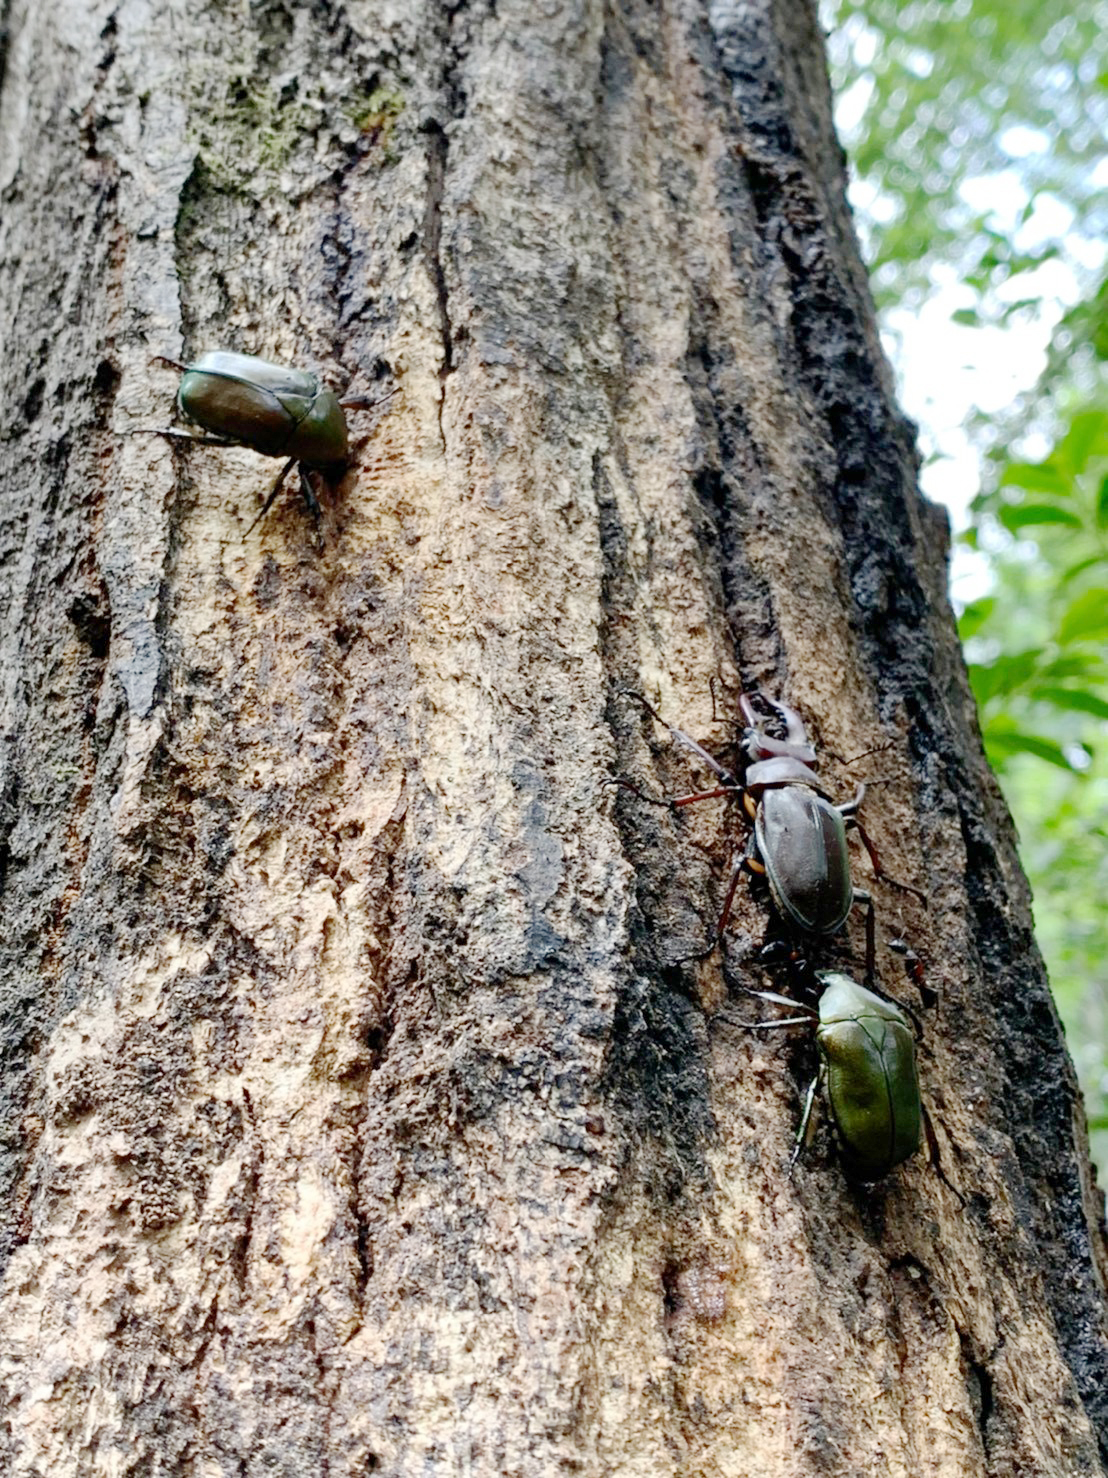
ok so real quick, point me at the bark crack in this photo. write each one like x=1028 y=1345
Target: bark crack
x=437 y=149
x=979 y=1385
x=239 y=1258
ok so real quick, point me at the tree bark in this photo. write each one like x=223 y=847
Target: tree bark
x=366 y=1107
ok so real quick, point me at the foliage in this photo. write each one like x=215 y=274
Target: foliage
x=1000 y=187
x=932 y=148
x=1036 y=649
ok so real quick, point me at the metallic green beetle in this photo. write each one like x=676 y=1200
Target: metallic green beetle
x=274 y=410
x=868 y=1067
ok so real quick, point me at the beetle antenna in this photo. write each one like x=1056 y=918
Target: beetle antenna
x=686 y=741
x=846 y=764
x=712 y=690
x=165 y=359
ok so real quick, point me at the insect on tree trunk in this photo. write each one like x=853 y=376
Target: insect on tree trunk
x=372 y=1100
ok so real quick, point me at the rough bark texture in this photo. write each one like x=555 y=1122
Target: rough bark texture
x=362 y=1110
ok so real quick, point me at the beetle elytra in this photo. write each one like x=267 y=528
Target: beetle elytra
x=280 y=412
x=867 y=1069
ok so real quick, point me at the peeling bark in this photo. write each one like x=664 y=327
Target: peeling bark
x=365 y=1106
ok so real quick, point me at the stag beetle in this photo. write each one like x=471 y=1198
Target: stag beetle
x=274 y=410
x=868 y=1068
x=799 y=837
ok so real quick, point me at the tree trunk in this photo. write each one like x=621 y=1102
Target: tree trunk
x=370 y=1103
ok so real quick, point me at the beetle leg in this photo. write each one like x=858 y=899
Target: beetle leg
x=771 y=995
x=748 y=862
x=307 y=492
x=183 y=436
x=848 y=808
x=364 y=403
x=933 y=1153
x=861 y=896
x=728 y=902
x=801 y=1141
x=703 y=795
x=905 y=887
x=847 y=812
x=268 y=504
x=651 y=800
x=849 y=819
x=671 y=801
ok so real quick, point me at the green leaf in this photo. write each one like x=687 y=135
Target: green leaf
x=1001 y=744
x=1072 y=571
x=968 y=316
x=1021 y=305
x=1102 y=505
x=1076 y=700
x=1086 y=435
x=1085 y=617
x=975 y=615
x=1004 y=675
x=1016 y=516
x=1084 y=665
x=1036 y=477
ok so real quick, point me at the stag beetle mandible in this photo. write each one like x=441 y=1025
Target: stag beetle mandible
x=799 y=837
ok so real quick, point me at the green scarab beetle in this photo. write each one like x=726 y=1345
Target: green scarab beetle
x=868 y=1068
x=274 y=410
